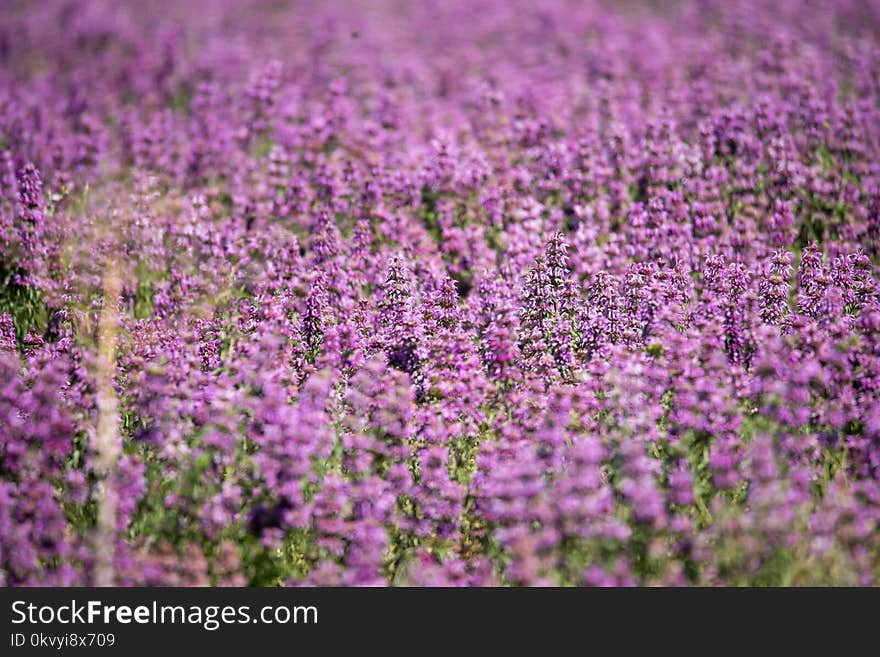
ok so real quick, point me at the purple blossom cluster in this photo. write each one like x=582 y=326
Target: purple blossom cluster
x=440 y=294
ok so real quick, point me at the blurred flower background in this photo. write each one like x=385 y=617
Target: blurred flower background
x=455 y=293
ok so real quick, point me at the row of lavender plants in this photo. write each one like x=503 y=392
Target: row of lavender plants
x=459 y=293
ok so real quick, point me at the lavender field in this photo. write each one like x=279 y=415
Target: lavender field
x=439 y=294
